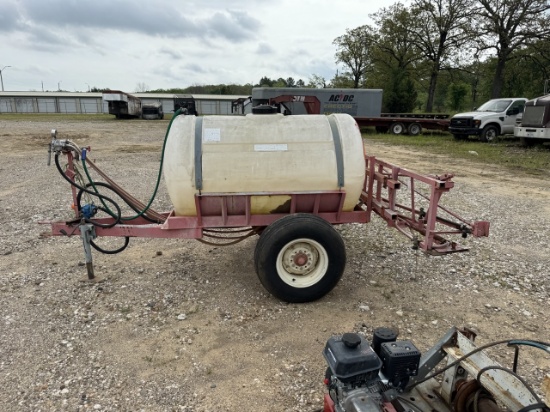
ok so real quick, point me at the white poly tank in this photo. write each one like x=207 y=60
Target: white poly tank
x=262 y=153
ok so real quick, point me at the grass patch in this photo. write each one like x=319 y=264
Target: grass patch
x=505 y=152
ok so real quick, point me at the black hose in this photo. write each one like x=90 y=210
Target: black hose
x=540 y=405
x=73 y=183
x=106 y=226
x=114 y=251
x=110 y=187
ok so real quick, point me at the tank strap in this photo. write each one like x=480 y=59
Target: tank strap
x=198 y=152
x=337 y=150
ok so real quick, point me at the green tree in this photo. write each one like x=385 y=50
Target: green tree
x=395 y=59
x=457 y=94
x=400 y=94
x=265 y=82
x=394 y=42
x=342 y=81
x=99 y=89
x=352 y=50
x=439 y=29
x=527 y=71
x=280 y=82
x=316 y=81
x=506 y=26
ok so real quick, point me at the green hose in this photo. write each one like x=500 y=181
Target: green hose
x=109 y=211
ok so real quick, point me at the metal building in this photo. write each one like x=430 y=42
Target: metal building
x=54 y=102
x=92 y=103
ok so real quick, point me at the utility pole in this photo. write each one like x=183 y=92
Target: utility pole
x=1 y=78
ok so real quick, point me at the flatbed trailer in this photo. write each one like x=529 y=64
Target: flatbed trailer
x=364 y=105
x=406 y=123
x=299 y=256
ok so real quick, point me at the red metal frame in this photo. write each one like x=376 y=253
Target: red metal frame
x=311 y=103
x=384 y=180
x=383 y=184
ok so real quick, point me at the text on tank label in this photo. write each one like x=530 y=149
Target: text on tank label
x=270 y=147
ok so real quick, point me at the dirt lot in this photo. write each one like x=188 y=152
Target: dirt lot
x=179 y=325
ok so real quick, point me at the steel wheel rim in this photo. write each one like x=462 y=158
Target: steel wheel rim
x=301 y=263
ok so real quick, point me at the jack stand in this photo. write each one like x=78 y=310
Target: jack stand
x=87 y=234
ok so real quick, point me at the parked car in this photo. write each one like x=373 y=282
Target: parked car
x=492 y=119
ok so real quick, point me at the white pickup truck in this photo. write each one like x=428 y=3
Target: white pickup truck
x=490 y=120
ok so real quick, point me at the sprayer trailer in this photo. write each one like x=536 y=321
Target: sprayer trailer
x=287 y=179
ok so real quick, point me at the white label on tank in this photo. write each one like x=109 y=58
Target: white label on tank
x=270 y=147
x=211 y=135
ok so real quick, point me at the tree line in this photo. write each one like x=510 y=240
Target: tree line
x=238 y=89
x=447 y=54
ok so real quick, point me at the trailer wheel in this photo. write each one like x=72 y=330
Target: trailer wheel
x=489 y=133
x=414 y=129
x=397 y=128
x=300 y=258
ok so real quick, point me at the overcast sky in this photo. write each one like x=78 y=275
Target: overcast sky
x=77 y=44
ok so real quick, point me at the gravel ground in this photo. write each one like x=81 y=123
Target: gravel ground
x=181 y=326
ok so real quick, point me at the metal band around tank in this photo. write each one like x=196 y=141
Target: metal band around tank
x=198 y=153
x=337 y=150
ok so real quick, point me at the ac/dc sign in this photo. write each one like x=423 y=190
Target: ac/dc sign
x=341 y=98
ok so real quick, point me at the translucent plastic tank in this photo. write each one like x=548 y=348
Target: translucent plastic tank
x=262 y=153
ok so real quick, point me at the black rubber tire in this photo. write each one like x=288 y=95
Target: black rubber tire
x=489 y=134
x=317 y=237
x=397 y=128
x=414 y=129
x=381 y=129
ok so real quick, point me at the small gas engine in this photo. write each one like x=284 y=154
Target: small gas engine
x=361 y=377
x=392 y=376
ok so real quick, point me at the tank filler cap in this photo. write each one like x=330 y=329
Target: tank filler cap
x=351 y=340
